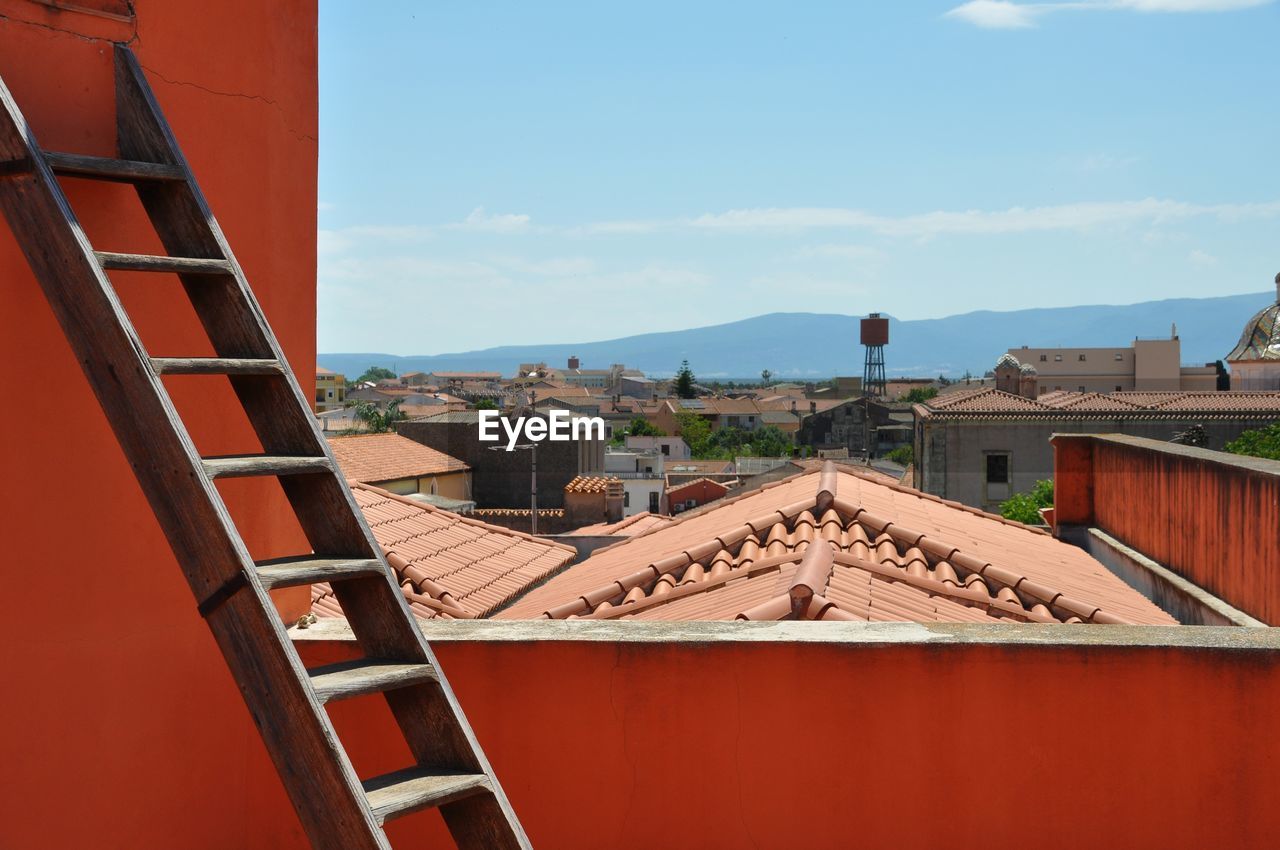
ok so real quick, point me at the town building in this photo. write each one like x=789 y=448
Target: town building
x=643 y=477
x=331 y=390
x=694 y=494
x=671 y=448
x=1148 y=365
x=981 y=447
x=501 y=478
x=1255 y=361
x=401 y=466
x=858 y=425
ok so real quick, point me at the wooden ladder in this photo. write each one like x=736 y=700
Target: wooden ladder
x=336 y=808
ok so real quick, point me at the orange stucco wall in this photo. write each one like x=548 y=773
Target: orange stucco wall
x=119 y=725
x=634 y=746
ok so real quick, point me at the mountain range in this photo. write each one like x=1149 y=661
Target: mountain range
x=818 y=345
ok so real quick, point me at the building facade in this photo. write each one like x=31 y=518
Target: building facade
x=981 y=448
x=1148 y=365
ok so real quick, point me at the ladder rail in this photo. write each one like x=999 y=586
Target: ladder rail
x=144 y=133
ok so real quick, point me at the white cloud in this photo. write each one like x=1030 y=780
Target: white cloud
x=1202 y=258
x=1003 y=14
x=997 y=14
x=500 y=223
x=1062 y=217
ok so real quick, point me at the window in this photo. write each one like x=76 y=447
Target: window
x=1119 y=356
x=1082 y=358
x=1058 y=388
x=666 y=449
x=1118 y=388
x=1057 y=358
x=1044 y=358
x=1082 y=388
x=626 y=499
x=998 y=469
x=653 y=503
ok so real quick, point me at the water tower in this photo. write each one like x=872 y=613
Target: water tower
x=875 y=336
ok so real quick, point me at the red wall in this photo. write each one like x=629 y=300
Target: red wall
x=119 y=725
x=1211 y=517
x=604 y=745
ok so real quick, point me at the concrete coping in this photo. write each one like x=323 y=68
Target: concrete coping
x=1228 y=638
x=1252 y=464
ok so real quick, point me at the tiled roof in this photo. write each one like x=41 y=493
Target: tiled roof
x=883 y=552
x=371 y=458
x=996 y=404
x=589 y=484
x=698 y=482
x=628 y=527
x=448 y=565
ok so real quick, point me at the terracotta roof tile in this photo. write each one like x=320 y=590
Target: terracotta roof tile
x=895 y=554
x=628 y=527
x=590 y=484
x=449 y=565
x=373 y=458
x=990 y=403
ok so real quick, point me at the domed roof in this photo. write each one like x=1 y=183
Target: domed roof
x=1027 y=369
x=1007 y=361
x=1261 y=337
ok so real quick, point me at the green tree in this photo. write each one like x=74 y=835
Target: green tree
x=685 y=382
x=695 y=431
x=1025 y=507
x=641 y=427
x=378 y=421
x=902 y=454
x=919 y=395
x=770 y=441
x=487 y=404
x=1261 y=442
x=765 y=376
x=374 y=374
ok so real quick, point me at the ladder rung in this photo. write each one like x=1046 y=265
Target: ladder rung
x=310 y=569
x=367 y=676
x=239 y=466
x=153 y=263
x=413 y=789
x=215 y=366
x=105 y=168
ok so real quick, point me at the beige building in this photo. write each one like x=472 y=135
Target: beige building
x=331 y=390
x=1148 y=365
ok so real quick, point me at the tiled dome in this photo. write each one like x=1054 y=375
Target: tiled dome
x=1009 y=361
x=1027 y=369
x=1261 y=337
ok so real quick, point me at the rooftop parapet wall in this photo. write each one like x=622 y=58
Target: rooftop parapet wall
x=1211 y=517
x=832 y=735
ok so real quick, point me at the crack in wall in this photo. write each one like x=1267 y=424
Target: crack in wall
x=218 y=93
x=133 y=37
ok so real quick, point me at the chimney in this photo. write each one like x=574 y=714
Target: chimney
x=613 y=499
x=574 y=363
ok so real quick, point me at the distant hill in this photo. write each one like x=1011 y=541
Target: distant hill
x=816 y=346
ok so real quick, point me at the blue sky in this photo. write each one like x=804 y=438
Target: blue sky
x=501 y=173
